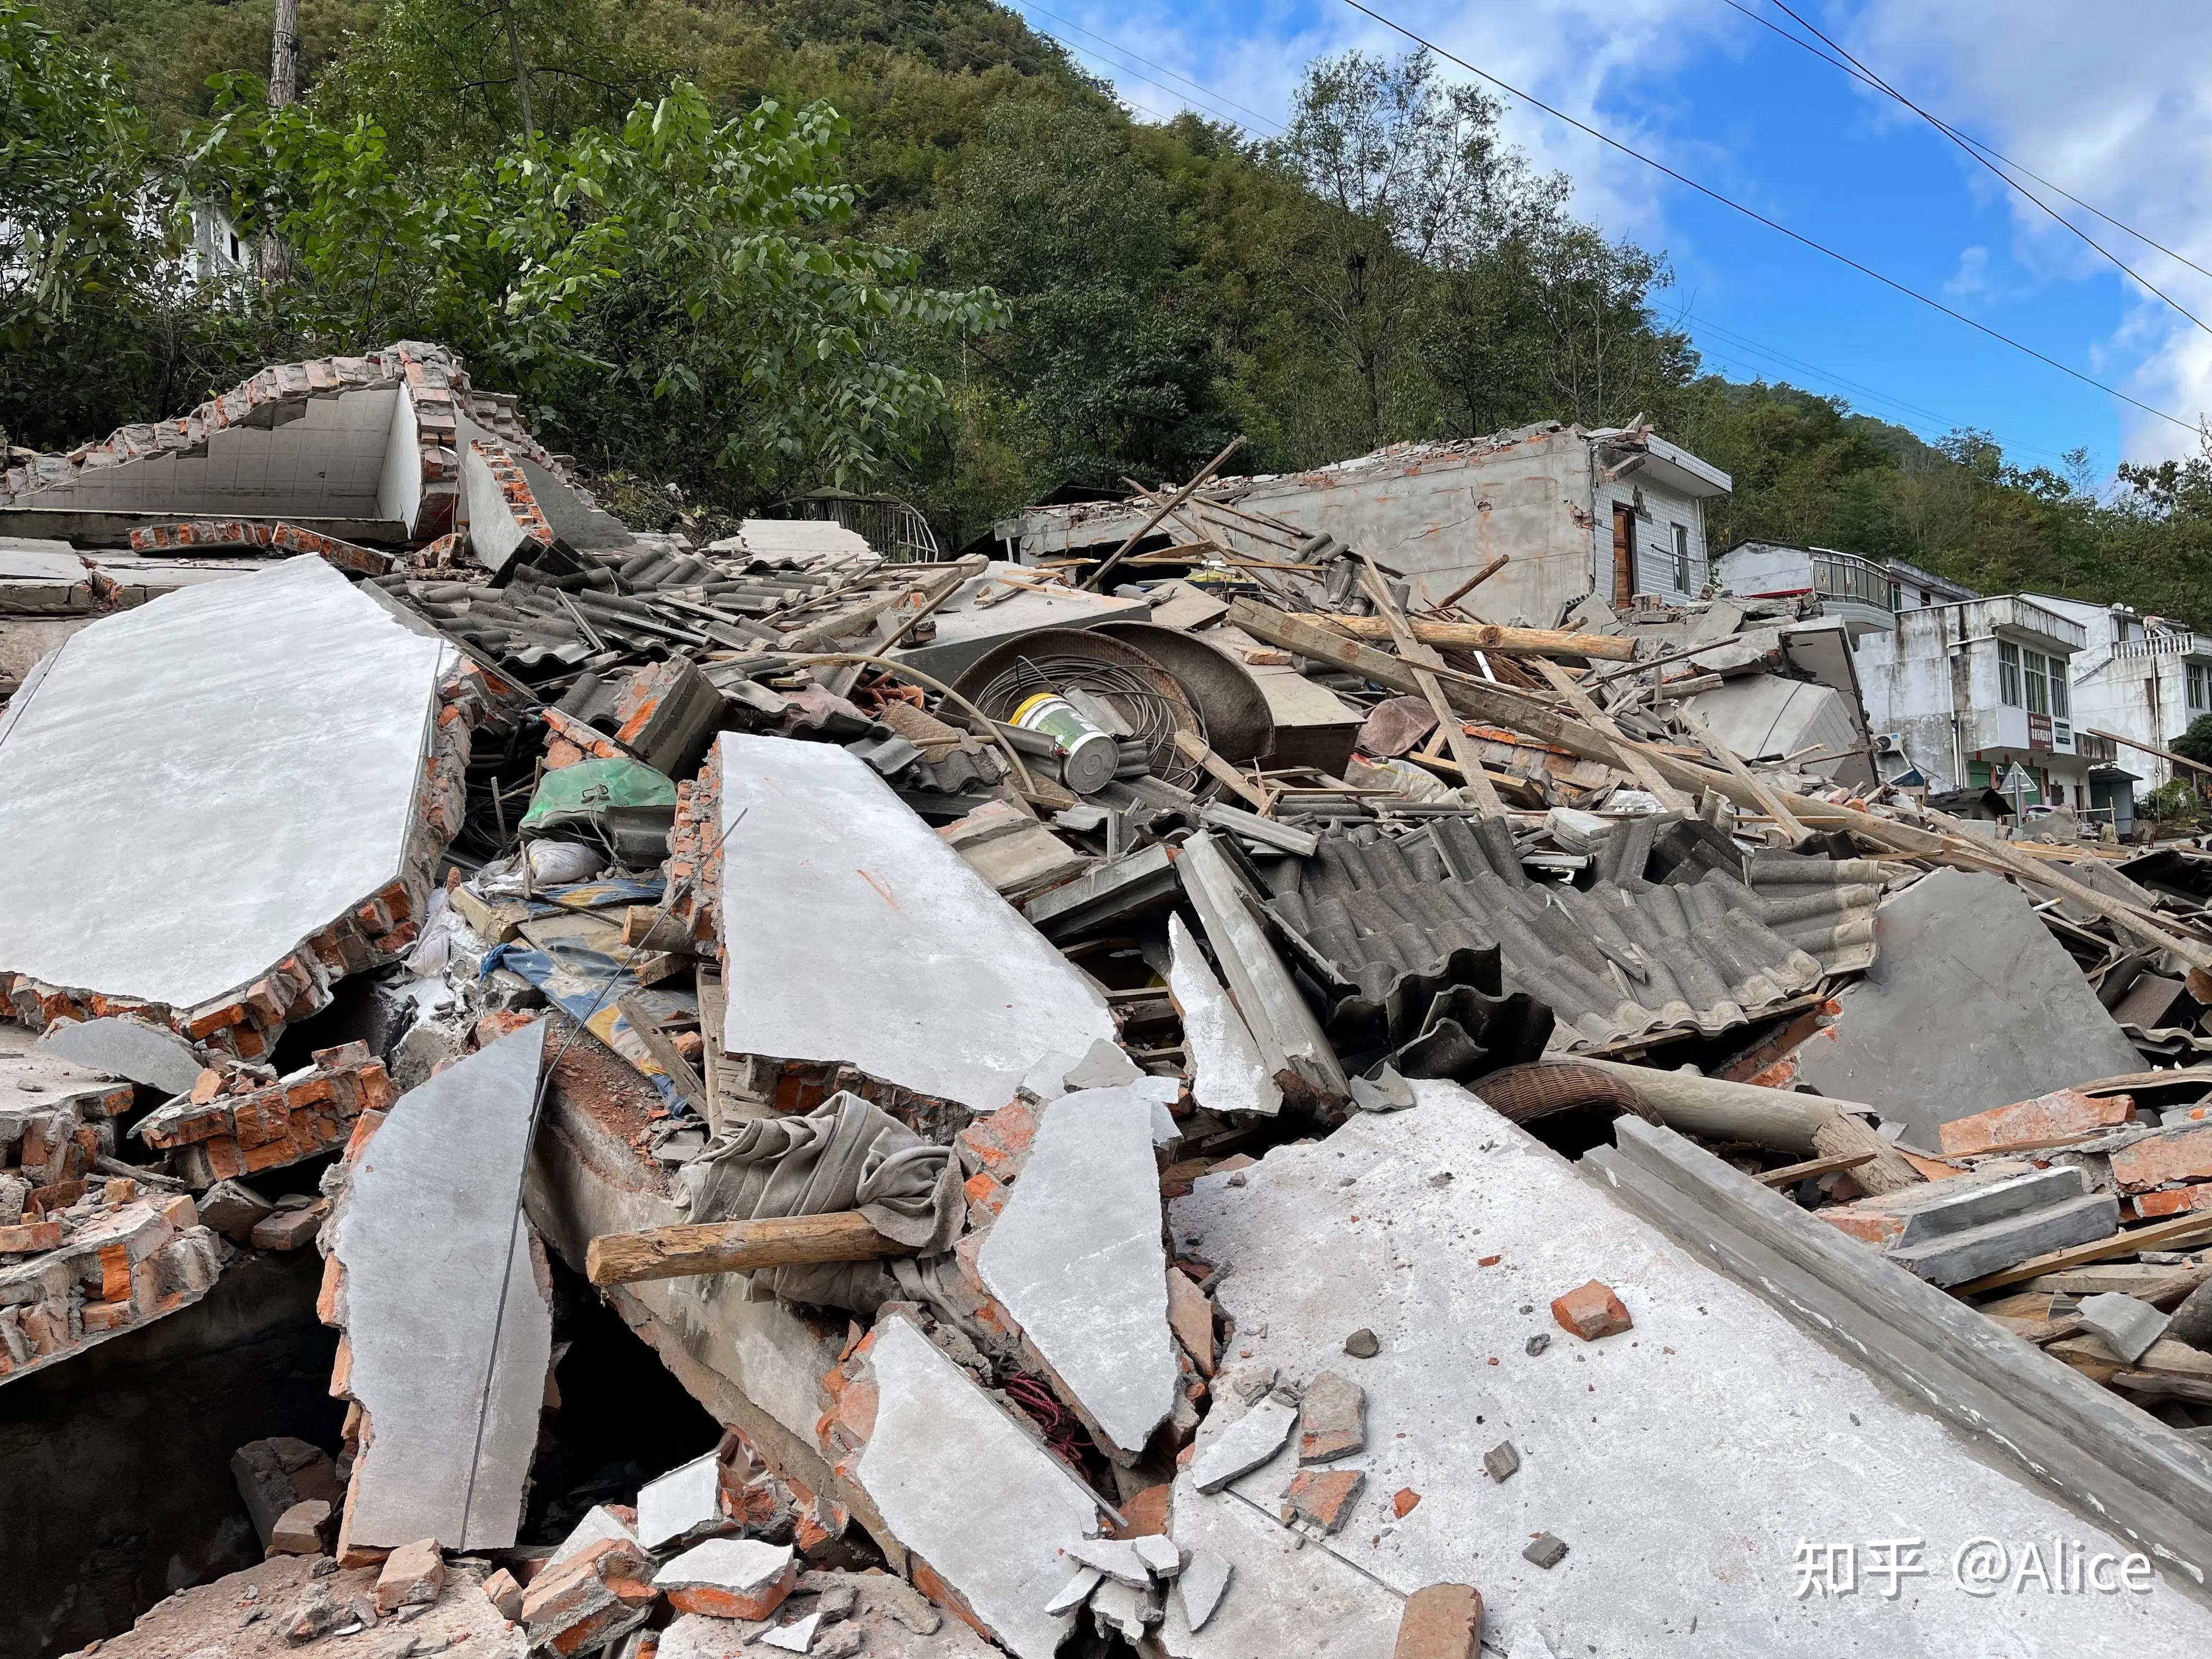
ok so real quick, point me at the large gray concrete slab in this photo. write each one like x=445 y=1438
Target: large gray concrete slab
x=855 y=934
x=1683 y=1461
x=1970 y=1004
x=194 y=787
x=427 y=1222
x=960 y=1484
x=1076 y=1257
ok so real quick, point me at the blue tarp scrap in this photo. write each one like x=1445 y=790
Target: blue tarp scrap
x=587 y=985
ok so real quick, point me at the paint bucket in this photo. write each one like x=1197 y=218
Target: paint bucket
x=1088 y=756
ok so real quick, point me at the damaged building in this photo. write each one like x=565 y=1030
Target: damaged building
x=1357 y=1065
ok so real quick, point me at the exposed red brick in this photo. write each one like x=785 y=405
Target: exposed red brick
x=1591 y=1311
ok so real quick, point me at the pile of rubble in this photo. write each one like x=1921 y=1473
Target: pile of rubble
x=1255 y=1110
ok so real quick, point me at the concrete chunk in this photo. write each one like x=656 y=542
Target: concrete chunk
x=1198 y=1589
x=150 y=1054
x=1128 y=1609
x=797 y=1636
x=1242 y=1445
x=1075 y=1592
x=1954 y=1258
x=600 y=1523
x=730 y=1578
x=1116 y=1558
x=1226 y=1072
x=2128 y=1326
x=425 y=1228
x=680 y=1503
x=1159 y=1552
x=1103 y=1066
x=1076 y=1258
x=1332 y=1418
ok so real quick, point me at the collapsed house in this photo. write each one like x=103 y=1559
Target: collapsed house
x=1184 y=1089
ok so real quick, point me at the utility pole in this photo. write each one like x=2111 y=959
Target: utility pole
x=284 y=56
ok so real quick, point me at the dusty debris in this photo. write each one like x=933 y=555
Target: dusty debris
x=1001 y=1045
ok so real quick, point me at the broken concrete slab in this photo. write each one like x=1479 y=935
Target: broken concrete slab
x=1076 y=1259
x=151 y=1055
x=1228 y=1447
x=1112 y=1558
x=862 y=937
x=1641 y=1459
x=1226 y=1072
x=1280 y=1600
x=2019 y=1020
x=936 y=1433
x=599 y=1522
x=2129 y=1327
x=1199 y=1588
x=1953 y=1258
x=1332 y=1419
x=730 y=1577
x=681 y=1504
x=324 y=705
x=425 y=1229
x=1075 y=1592
x=1293 y=1049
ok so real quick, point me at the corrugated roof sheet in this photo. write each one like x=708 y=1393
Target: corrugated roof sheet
x=1718 y=938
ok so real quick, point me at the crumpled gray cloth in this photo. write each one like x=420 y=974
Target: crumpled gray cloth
x=845 y=1154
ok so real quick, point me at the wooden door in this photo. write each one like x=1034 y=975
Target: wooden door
x=1623 y=556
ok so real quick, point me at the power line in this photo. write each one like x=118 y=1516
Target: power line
x=1774 y=224
x=1863 y=73
x=1936 y=426
x=1968 y=138
x=1122 y=69
x=1204 y=91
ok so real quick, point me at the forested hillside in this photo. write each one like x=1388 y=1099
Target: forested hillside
x=977 y=280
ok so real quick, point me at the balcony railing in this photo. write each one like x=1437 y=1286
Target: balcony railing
x=2174 y=643
x=1847 y=576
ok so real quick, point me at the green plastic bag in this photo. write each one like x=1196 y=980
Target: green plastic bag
x=580 y=794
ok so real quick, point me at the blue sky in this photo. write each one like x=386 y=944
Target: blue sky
x=2113 y=103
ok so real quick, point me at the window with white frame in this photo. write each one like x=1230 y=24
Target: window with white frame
x=2038 y=682
x=2060 y=706
x=2200 y=688
x=1682 y=558
x=2008 y=674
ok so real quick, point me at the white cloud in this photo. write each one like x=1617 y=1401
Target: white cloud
x=2112 y=105
x=1603 y=63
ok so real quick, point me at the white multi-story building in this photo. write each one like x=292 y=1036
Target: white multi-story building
x=2141 y=680
x=1963 y=692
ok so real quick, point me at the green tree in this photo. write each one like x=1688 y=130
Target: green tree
x=671 y=295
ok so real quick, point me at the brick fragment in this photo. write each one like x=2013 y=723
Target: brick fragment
x=2177 y=1201
x=289 y=1229
x=1190 y=1316
x=2062 y=1115
x=1591 y=1311
x=301 y=1528
x=413 y=1575
x=1332 y=1418
x=2164 y=1159
x=1441 y=1621
x=1324 y=1496
x=594 y=1595
x=502 y=1591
